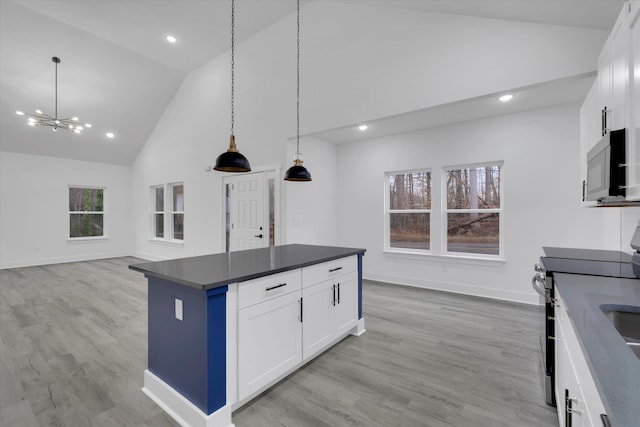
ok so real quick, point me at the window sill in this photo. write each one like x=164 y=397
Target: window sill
x=87 y=239
x=174 y=243
x=446 y=258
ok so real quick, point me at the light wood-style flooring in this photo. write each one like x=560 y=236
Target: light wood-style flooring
x=73 y=349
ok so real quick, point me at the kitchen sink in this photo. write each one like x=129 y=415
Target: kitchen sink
x=626 y=320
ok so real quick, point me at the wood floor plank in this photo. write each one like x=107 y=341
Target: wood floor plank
x=73 y=347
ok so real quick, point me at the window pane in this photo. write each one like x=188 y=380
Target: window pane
x=86 y=199
x=476 y=233
x=178 y=226
x=159 y=199
x=409 y=230
x=86 y=225
x=410 y=191
x=159 y=225
x=178 y=198
x=474 y=188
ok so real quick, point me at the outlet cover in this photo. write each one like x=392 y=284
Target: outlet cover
x=179 y=312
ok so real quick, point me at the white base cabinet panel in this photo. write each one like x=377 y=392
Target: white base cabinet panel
x=269 y=342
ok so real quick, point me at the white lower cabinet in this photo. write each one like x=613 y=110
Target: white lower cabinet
x=269 y=342
x=577 y=398
x=330 y=311
x=287 y=318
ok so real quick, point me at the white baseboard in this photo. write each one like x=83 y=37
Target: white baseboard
x=457 y=288
x=179 y=408
x=60 y=260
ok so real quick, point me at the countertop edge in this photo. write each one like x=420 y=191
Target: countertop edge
x=346 y=252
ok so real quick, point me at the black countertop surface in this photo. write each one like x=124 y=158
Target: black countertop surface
x=211 y=271
x=614 y=366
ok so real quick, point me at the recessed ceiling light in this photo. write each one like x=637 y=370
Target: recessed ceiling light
x=506 y=98
x=171 y=39
x=110 y=135
x=363 y=127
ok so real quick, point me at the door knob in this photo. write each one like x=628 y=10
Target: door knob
x=258 y=235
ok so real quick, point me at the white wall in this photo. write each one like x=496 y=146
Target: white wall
x=541 y=199
x=311 y=214
x=34 y=221
x=357 y=63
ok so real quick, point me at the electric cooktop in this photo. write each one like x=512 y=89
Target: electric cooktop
x=593 y=262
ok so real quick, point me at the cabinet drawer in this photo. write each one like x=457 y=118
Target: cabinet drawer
x=265 y=288
x=328 y=270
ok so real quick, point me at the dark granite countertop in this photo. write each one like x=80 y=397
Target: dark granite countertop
x=211 y=271
x=615 y=368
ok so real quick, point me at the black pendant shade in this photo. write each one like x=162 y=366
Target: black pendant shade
x=297 y=172
x=231 y=160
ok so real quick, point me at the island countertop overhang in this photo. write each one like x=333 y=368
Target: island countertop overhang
x=211 y=271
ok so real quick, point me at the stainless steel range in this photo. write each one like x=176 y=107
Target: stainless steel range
x=575 y=261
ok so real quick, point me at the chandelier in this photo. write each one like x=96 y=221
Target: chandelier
x=54 y=122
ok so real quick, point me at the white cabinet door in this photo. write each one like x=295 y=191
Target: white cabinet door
x=330 y=311
x=269 y=342
x=619 y=45
x=317 y=324
x=633 y=133
x=346 y=308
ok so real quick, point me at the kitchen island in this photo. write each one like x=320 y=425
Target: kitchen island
x=224 y=327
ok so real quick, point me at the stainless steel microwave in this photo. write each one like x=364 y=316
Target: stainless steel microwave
x=606 y=173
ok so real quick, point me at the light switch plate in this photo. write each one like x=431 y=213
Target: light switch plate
x=179 y=309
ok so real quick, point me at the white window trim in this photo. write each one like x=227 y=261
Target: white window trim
x=167 y=215
x=85 y=239
x=445 y=211
x=171 y=187
x=154 y=211
x=388 y=211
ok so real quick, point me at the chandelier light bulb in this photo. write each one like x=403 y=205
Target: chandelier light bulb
x=110 y=135
x=20 y=113
x=363 y=127
x=87 y=125
x=39 y=111
x=74 y=118
x=31 y=123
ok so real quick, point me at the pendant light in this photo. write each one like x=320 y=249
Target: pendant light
x=297 y=172
x=231 y=160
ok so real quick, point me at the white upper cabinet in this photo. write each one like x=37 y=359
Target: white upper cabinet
x=613 y=101
x=633 y=133
x=613 y=75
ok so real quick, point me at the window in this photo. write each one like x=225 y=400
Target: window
x=86 y=212
x=473 y=209
x=177 y=211
x=169 y=227
x=408 y=215
x=158 y=211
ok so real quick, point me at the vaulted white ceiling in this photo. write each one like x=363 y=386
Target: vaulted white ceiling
x=118 y=72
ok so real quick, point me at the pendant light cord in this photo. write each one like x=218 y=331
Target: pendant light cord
x=298 y=87
x=56 y=86
x=233 y=51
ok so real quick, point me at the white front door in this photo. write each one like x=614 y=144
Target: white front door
x=248 y=221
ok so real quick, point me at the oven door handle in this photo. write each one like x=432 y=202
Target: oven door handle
x=537 y=282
